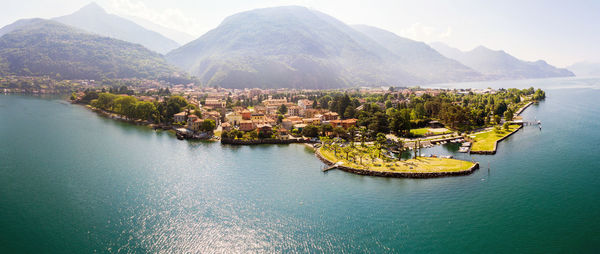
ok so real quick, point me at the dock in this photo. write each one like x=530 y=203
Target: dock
x=334 y=166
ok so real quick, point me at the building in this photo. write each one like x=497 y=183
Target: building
x=305 y=104
x=226 y=126
x=312 y=121
x=283 y=133
x=329 y=116
x=264 y=129
x=257 y=117
x=234 y=118
x=274 y=102
x=246 y=115
x=343 y=123
x=213 y=115
x=215 y=103
x=246 y=125
x=193 y=123
x=179 y=117
x=294 y=110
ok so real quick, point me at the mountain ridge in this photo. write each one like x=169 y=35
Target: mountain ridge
x=95 y=19
x=311 y=48
x=47 y=47
x=498 y=64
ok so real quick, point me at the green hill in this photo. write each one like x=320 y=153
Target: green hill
x=51 y=48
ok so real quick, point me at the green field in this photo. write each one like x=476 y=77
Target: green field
x=423 y=131
x=486 y=141
x=419 y=165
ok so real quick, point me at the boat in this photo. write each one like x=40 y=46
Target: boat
x=463 y=149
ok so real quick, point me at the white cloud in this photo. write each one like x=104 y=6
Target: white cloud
x=173 y=18
x=427 y=33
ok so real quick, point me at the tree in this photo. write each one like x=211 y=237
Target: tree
x=282 y=109
x=310 y=131
x=347 y=150
x=325 y=128
x=363 y=135
x=505 y=126
x=145 y=110
x=254 y=134
x=351 y=135
x=339 y=131
x=349 y=112
x=508 y=115
x=174 y=105
x=497 y=119
x=380 y=142
x=207 y=125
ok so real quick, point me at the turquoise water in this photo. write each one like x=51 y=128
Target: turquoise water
x=73 y=182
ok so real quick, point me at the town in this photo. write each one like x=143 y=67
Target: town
x=397 y=119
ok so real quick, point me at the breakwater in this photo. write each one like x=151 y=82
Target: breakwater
x=396 y=174
x=230 y=141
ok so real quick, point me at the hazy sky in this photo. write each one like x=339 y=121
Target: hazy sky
x=560 y=32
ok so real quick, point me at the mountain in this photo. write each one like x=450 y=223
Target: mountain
x=497 y=64
x=93 y=18
x=585 y=69
x=419 y=58
x=19 y=24
x=47 y=47
x=178 y=36
x=293 y=46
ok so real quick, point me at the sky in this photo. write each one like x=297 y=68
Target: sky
x=560 y=32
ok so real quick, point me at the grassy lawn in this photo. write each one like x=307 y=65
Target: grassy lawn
x=419 y=132
x=423 y=131
x=485 y=141
x=419 y=165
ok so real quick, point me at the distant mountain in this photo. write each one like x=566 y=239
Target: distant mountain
x=500 y=65
x=297 y=47
x=178 y=36
x=19 y=24
x=419 y=58
x=93 y=18
x=47 y=47
x=585 y=69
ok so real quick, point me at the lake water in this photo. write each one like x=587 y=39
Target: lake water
x=74 y=182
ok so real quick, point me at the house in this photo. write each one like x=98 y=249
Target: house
x=234 y=118
x=283 y=133
x=213 y=115
x=329 y=116
x=299 y=127
x=309 y=113
x=293 y=110
x=246 y=115
x=215 y=103
x=289 y=122
x=264 y=129
x=343 y=123
x=179 y=117
x=305 y=104
x=257 y=117
x=193 y=123
x=312 y=121
x=226 y=126
x=246 y=125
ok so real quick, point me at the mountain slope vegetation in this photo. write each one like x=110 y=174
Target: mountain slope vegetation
x=50 y=48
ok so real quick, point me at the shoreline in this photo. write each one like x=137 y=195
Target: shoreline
x=396 y=174
x=492 y=152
